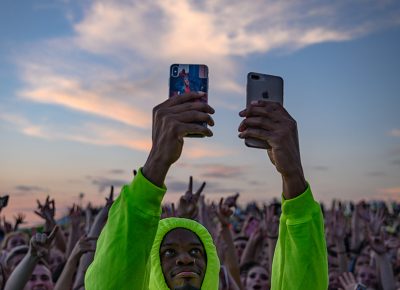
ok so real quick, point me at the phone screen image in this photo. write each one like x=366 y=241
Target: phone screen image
x=186 y=78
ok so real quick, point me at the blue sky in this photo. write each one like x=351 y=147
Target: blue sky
x=78 y=82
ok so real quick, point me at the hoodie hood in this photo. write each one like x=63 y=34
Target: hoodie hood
x=211 y=278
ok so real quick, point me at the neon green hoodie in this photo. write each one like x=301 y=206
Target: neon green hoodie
x=123 y=262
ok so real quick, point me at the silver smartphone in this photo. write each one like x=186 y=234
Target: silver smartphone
x=262 y=87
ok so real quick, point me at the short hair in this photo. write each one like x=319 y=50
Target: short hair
x=8 y=236
x=14 y=252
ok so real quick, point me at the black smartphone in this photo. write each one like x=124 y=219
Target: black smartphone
x=4 y=201
x=185 y=78
x=262 y=87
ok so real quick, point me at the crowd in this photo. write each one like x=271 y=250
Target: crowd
x=363 y=242
x=287 y=244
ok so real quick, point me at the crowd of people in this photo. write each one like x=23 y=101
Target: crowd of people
x=138 y=242
x=363 y=242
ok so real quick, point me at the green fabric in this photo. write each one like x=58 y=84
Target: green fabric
x=123 y=248
x=300 y=259
x=133 y=232
x=211 y=278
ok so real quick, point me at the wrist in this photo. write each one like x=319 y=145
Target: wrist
x=293 y=184
x=155 y=169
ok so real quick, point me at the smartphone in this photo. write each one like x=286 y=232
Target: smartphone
x=360 y=286
x=185 y=78
x=4 y=201
x=262 y=87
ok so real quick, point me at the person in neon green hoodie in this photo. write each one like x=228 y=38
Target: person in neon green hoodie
x=137 y=251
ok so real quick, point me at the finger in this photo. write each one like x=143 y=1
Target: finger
x=194 y=116
x=111 y=193
x=52 y=235
x=39 y=213
x=192 y=106
x=200 y=190
x=185 y=129
x=258 y=122
x=259 y=134
x=180 y=99
x=190 y=187
x=173 y=209
x=220 y=203
x=91 y=238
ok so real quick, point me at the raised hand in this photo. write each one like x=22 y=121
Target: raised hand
x=168 y=211
x=19 y=219
x=47 y=211
x=224 y=213
x=84 y=245
x=376 y=221
x=231 y=200
x=348 y=281
x=172 y=121
x=40 y=243
x=270 y=122
x=188 y=207
x=270 y=224
x=339 y=225
x=75 y=214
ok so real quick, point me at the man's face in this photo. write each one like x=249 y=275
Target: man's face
x=183 y=259
x=40 y=279
x=240 y=245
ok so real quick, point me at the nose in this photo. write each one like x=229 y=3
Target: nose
x=184 y=259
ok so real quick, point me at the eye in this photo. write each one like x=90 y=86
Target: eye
x=195 y=251
x=169 y=253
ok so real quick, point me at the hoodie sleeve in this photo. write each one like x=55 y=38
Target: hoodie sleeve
x=124 y=245
x=300 y=259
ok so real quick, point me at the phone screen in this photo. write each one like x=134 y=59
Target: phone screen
x=185 y=78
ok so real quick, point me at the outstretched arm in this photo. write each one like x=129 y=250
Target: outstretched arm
x=38 y=248
x=124 y=245
x=300 y=254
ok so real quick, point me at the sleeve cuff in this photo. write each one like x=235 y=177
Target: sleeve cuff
x=300 y=208
x=144 y=195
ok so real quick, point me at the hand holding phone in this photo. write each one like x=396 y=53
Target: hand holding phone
x=262 y=87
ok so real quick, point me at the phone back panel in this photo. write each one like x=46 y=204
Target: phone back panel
x=185 y=78
x=262 y=87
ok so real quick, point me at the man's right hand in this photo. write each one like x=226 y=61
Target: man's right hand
x=172 y=120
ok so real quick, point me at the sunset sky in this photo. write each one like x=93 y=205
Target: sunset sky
x=78 y=81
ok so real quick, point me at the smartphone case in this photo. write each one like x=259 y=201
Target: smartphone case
x=185 y=78
x=262 y=87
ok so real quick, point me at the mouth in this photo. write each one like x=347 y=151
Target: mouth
x=40 y=288
x=257 y=287
x=185 y=273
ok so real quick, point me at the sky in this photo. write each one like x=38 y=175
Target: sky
x=79 y=79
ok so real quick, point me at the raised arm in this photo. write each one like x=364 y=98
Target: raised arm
x=300 y=259
x=38 y=248
x=124 y=245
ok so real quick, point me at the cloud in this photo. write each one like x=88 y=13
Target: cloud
x=391 y=193
x=114 y=63
x=376 y=173
x=104 y=183
x=394 y=133
x=117 y=171
x=29 y=188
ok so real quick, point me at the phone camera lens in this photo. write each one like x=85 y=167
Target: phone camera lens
x=174 y=71
x=255 y=77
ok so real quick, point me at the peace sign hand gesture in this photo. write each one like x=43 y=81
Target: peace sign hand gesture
x=188 y=207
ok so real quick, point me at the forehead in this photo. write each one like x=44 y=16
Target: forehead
x=41 y=270
x=180 y=236
x=259 y=270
